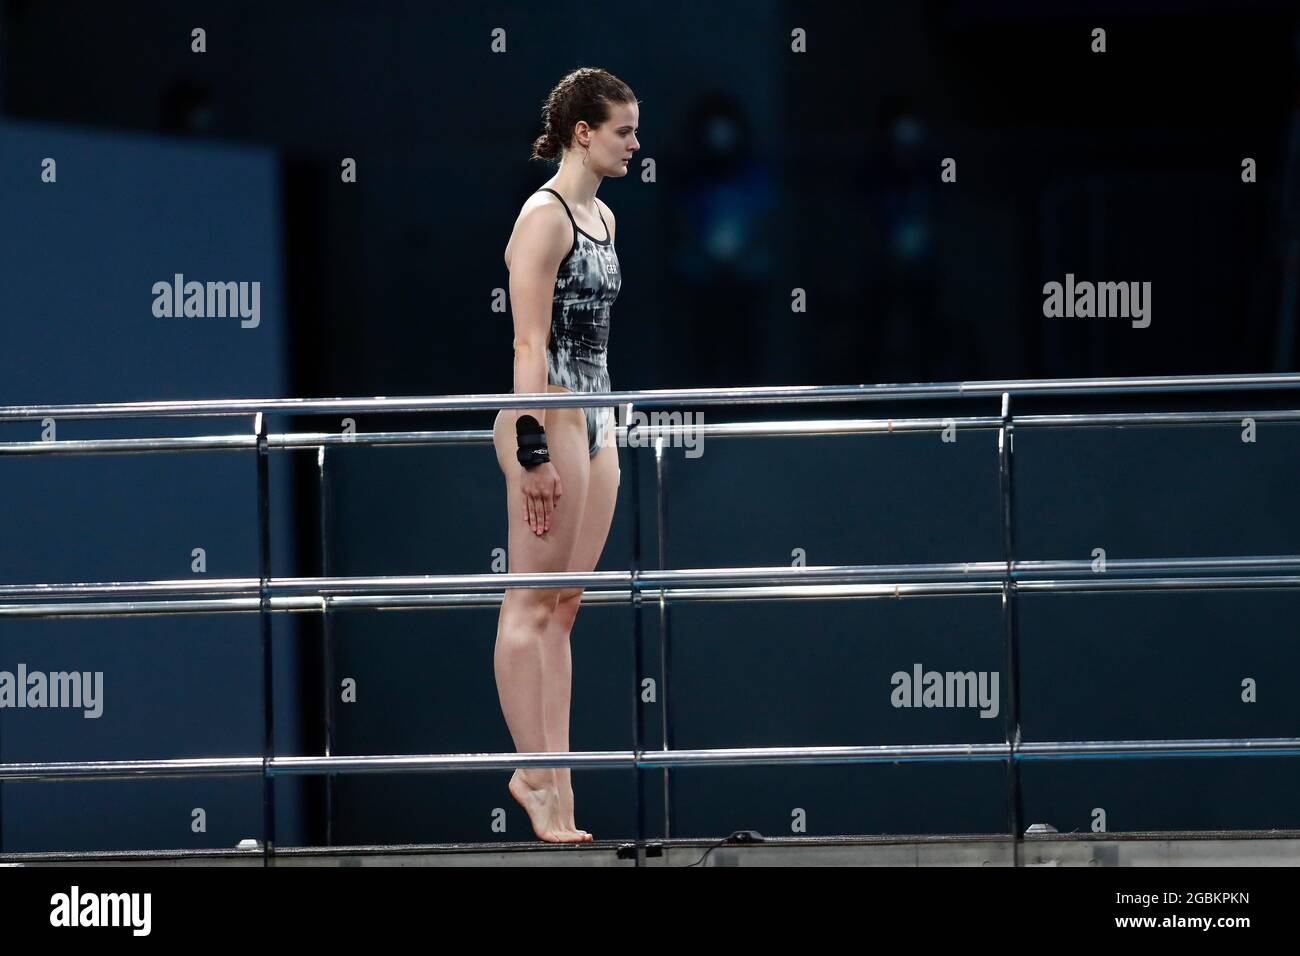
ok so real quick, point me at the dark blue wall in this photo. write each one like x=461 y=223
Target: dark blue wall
x=80 y=259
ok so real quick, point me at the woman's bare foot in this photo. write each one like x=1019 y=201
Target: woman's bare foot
x=536 y=792
x=562 y=784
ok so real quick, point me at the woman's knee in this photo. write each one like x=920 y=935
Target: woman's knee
x=568 y=598
x=566 y=607
x=530 y=607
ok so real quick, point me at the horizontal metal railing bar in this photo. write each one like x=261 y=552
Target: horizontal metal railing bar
x=746 y=584
x=614 y=598
x=1256 y=562
x=1034 y=750
x=182 y=767
x=1231 y=583
x=647 y=398
x=424 y=584
x=94 y=609
x=319 y=586
x=651 y=759
x=489 y=599
x=162 y=856
x=647 y=433
x=1144 y=419
x=962 y=589
x=807 y=592
x=127 y=446
x=141 y=588
x=626 y=759
x=409 y=602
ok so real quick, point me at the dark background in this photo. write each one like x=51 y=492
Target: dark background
x=1122 y=166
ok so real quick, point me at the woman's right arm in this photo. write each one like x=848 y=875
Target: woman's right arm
x=542 y=240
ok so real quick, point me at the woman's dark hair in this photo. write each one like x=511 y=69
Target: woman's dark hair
x=585 y=94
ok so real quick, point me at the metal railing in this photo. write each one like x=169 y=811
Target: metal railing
x=265 y=595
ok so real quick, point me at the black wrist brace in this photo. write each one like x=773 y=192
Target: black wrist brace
x=532 y=442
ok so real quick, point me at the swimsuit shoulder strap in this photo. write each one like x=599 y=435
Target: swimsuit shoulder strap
x=564 y=204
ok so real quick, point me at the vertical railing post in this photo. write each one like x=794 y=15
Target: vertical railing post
x=638 y=717
x=665 y=634
x=264 y=616
x=2 y=806
x=1011 y=649
x=327 y=644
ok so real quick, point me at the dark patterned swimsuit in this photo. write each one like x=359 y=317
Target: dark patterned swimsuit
x=585 y=286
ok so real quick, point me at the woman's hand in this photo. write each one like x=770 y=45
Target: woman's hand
x=541 y=487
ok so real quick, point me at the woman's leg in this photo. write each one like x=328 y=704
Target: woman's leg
x=522 y=681
x=597 y=515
